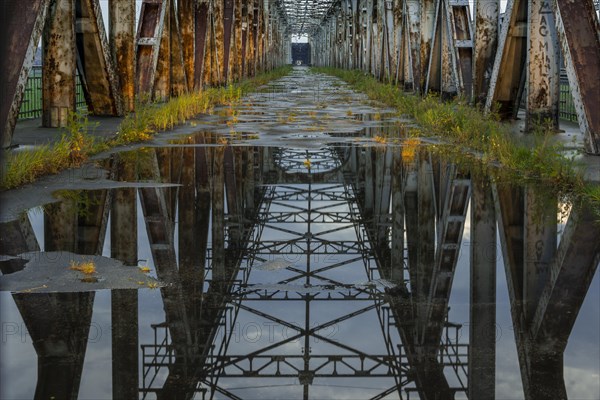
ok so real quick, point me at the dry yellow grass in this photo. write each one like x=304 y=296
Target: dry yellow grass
x=87 y=267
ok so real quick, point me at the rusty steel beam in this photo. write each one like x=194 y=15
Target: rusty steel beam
x=462 y=45
x=228 y=16
x=122 y=48
x=428 y=14
x=543 y=83
x=245 y=34
x=20 y=31
x=485 y=46
x=148 y=40
x=200 y=34
x=179 y=77
x=163 y=75
x=59 y=64
x=96 y=69
x=218 y=41
x=237 y=48
x=510 y=62
x=579 y=34
x=413 y=28
x=186 y=13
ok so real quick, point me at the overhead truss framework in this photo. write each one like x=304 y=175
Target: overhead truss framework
x=304 y=17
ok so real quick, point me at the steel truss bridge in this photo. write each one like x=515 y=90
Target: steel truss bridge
x=497 y=60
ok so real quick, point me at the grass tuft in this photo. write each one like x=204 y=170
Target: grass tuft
x=77 y=145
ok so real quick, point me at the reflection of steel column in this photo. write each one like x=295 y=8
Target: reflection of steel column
x=482 y=327
x=124 y=218
x=218 y=215
x=124 y=303
x=543 y=68
x=540 y=232
x=426 y=228
x=59 y=325
x=58 y=77
x=60 y=226
x=124 y=317
x=397 y=254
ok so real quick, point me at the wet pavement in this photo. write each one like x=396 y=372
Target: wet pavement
x=280 y=249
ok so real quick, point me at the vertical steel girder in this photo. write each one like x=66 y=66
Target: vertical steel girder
x=485 y=44
x=508 y=76
x=580 y=42
x=20 y=30
x=122 y=48
x=59 y=64
x=201 y=26
x=186 y=13
x=148 y=40
x=543 y=82
x=95 y=65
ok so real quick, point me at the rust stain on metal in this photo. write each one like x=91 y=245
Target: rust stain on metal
x=186 y=16
x=99 y=80
x=20 y=30
x=580 y=40
x=122 y=48
x=58 y=78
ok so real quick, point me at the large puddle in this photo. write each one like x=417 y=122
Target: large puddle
x=304 y=260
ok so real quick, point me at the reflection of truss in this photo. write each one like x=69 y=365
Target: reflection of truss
x=307 y=221
x=294 y=161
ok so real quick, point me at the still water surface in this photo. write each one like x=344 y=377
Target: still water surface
x=327 y=267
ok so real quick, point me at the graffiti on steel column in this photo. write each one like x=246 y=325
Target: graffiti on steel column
x=543 y=52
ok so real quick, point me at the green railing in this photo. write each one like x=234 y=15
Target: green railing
x=31 y=106
x=566 y=108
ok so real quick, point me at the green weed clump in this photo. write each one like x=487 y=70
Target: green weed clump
x=461 y=124
x=77 y=145
x=73 y=148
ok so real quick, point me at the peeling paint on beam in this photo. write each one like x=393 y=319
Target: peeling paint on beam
x=96 y=69
x=149 y=36
x=122 y=48
x=580 y=42
x=485 y=46
x=543 y=69
x=58 y=77
x=20 y=31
